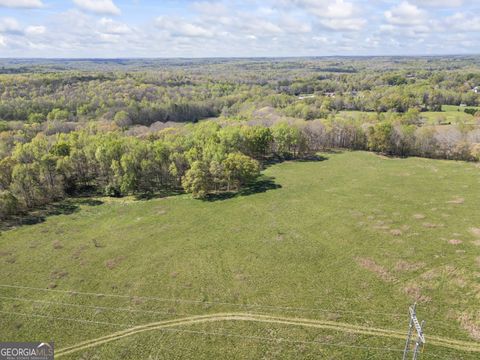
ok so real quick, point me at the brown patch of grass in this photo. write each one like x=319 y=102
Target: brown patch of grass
x=470 y=324
x=419 y=216
x=137 y=301
x=51 y=286
x=457 y=200
x=406 y=266
x=455 y=241
x=369 y=264
x=381 y=227
x=415 y=293
x=356 y=213
x=113 y=263
x=77 y=253
x=475 y=231
x=58 y=274
x=173 y=274
x=396 y=232
x=11 y=260
x=5 y=253
x=240 y=277
x=476 y=242
x=432 y=226
x=430 y=274
x=57 y=245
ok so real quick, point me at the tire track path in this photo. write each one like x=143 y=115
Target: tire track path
x=248 y=317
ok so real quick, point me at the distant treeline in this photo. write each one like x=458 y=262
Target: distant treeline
x=197 y=90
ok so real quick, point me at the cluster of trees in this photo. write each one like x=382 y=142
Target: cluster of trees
x=200 y=159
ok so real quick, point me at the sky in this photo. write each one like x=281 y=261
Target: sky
x=247 y=28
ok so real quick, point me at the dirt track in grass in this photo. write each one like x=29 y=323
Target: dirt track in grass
x=319 y=324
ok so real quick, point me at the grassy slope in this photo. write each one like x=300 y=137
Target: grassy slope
x=338 y=234
x=449 y=114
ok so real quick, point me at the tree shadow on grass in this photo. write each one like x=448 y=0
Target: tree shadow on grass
x=262 y=185
x=40 y=214
x=306 y=158
x=159 y=195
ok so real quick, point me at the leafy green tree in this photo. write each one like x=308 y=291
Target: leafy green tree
x=8 y=204
x=122 y=119
x=36 y=118
x=240 y=170
x=197 y=180
x=58 y=115
x=380 y=137
x=26 y=184
x=258 y=141
x=288 y=140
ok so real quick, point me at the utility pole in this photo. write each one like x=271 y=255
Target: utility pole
x=420 y=341
x=409 y=334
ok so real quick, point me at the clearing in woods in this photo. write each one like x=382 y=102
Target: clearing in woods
x=320 y=259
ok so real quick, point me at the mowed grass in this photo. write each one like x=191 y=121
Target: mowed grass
x=354 y=239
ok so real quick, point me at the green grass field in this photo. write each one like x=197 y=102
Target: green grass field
x=449 y=114
x=350 y=242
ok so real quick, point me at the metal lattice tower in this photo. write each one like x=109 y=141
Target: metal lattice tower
x=414 y=326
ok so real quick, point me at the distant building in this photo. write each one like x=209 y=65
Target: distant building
x=476 y=89
x=329 y=94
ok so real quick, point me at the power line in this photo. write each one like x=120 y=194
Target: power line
x=92 y=306
x=199 y=302
x=62 y=318
x=117 y=309
x=107 y=308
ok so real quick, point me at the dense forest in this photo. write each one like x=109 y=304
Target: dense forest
x=120 y=127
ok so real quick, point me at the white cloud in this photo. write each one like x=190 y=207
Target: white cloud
x=27 y=4
x=35 y=30
x=340 y=9
x=463 y=22
x=441 y=3
x=405 y=14
x=110 y=26
x=9 y=25
x=293 y=25
x=180 y=27
x=3 y=41
x=208 y=7
x=334 y=15
x=354 y=24
x=98 y=6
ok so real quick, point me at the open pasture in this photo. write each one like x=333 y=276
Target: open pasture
x=321 y=259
